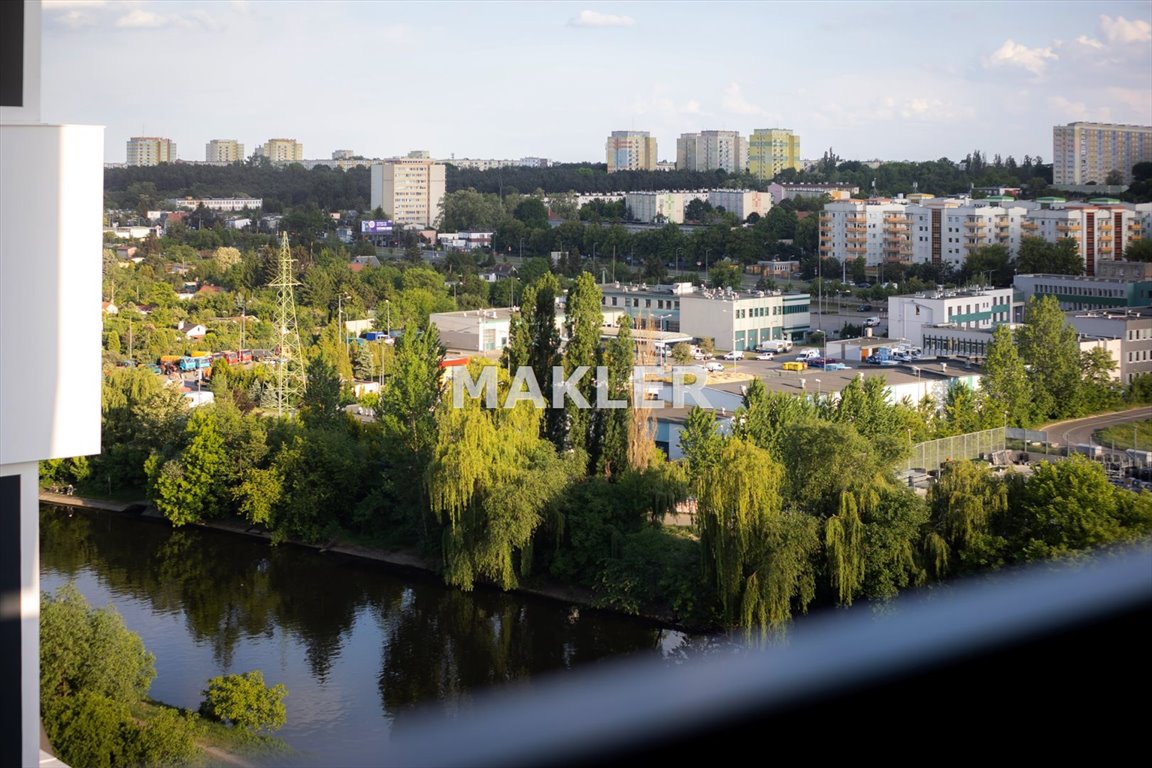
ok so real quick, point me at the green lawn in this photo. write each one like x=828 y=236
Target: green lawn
x=1121 y=436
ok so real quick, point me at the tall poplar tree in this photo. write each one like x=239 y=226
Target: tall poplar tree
x=1048 y=347
x=1005 y=379
x=582 y=323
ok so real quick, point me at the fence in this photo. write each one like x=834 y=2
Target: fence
x=972 y=445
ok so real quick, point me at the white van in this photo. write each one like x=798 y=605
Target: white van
x=734 y=355
x=871 y=322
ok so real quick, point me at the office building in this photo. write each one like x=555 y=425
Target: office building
x=1132 y=327
x=711 y=151
x=224 y=151
x=630 y=151
x=740 y=320
x=772 y=150
x=1080 y=292
x=1085 y=153
x=410 y=190
x=912 y=317
x=656 y=304
x=150 y=150
x=51 y=206
x=282 y=150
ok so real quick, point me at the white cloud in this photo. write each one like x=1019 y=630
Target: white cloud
x=735 y=101
x=594 y=19
x=74 y=14
x=1072 y=111
x=137 y=18
x=1013 y=54
x=1121 y=30
x=1089 y=42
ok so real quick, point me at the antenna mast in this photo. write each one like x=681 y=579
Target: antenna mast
x=290 y=376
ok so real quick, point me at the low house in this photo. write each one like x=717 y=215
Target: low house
x=498 y=272
x=192 y=331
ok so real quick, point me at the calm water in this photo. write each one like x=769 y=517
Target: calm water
x=357 y=645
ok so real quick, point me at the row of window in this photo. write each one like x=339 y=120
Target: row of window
x=635 y=302
x=1139 y=334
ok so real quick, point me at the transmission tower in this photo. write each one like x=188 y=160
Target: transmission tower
x=290 y=375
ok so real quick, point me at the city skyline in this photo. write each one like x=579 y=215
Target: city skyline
x=890 y=81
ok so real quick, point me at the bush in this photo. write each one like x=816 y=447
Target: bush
x=245 y=701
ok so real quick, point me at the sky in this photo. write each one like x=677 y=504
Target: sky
x=506 y=80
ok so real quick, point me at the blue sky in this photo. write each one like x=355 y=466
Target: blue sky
x=893 y=80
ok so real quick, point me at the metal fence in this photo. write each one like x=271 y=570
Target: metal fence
x=932 y=454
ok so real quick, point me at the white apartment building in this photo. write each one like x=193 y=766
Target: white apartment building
x=150 y=150
x=781 y=192
x=912 y=317
x=282 y=150
x=662 y=207
x=712 y=150
x=223 y=151
x=738 y=320
x=410 y=190
x=742 y=202
x=946 y=230
x=1088 y=152
x=630 y=151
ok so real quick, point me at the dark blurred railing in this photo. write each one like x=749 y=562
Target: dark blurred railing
x=1039 y=662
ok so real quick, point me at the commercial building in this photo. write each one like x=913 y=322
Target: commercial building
x=51 y=205
x=476 y=330
x=409 y=189
x=630 y=151
x=1080 y=292
x=739 y=320
x=772 y=150
x=1084 y=153
x=223 y=151
x=1132 y=327
x=281 y=150
x=911 y=316
x=150 y=150
x=712 y=150
x=658 y=304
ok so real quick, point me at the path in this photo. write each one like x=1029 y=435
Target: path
x=1080 y=431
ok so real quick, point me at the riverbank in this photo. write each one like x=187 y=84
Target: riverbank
x=401 y=559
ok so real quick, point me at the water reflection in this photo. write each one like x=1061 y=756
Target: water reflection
x=357 y=644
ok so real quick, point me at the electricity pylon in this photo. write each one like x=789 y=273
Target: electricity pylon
x=290 y=374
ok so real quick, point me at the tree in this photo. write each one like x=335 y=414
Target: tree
x=1048 y=348
x=1038 y=256
x=682 y=353
x=725 y=274
x=1005 y=379
x=962 y=507
x=1139 y=250
x=544 y=352
x=321 y=401
x=1098 y=385
x=618 y=356
x=244 y=701
x=757 y=557
x=991 y=262
x=187 y=488
x=582 y=321
x=1114 y=178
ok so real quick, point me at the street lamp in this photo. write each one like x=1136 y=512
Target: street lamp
x=388 y=312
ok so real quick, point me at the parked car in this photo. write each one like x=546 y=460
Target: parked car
x=765 y=355
x=712 y=366
x=809 y=354
x=734 y=355
x=871 y=322
x=865 y=308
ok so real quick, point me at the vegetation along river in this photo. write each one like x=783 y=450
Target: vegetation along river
x=357 y=644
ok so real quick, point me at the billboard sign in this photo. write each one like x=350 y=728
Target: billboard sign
x=375 y=227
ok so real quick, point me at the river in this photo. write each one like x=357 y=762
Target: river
x=356 y=643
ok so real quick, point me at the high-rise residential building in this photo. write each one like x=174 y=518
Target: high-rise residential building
x=772 y=150
x=1085 y=153
x=150 y=150
x=409 y=189
x=631 y=151
x=282 y=150
x=343 y=154
x=224 y=151
x=712 y=150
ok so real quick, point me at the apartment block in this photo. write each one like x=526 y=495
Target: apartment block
x=150 y=150
x=1084 y=153
x=410 y=190
x=659 y=207
x=742 y=202
x=223 y=151
x=712 y=150
x=630 y=151
x=282 y=150
x=772 y=150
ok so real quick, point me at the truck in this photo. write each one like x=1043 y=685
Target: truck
x=189 y=363
x=778 y=346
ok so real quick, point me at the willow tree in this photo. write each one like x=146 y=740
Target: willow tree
x=766 y=416
x=490 y=478
x=757 y=556
x=962 y=505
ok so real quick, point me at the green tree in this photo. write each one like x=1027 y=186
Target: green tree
x=757 y=557
x=682 y=354
x=1100 y=390
x=618 y=357
x=1005 y=379
x=725 y=274
x=989 y=262
x=1038 y=256
x=582 y=323
x=187 y=488
x=1049 y=349
x=1139 y=250
x=963 y=506
x=321 y=401
x=544 y=353
x=245 y=702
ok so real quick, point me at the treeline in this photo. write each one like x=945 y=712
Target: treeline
x=799 y=507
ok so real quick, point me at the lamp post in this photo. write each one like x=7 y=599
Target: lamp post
x=388 y=313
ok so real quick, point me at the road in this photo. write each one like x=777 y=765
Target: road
x=1077 y=431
